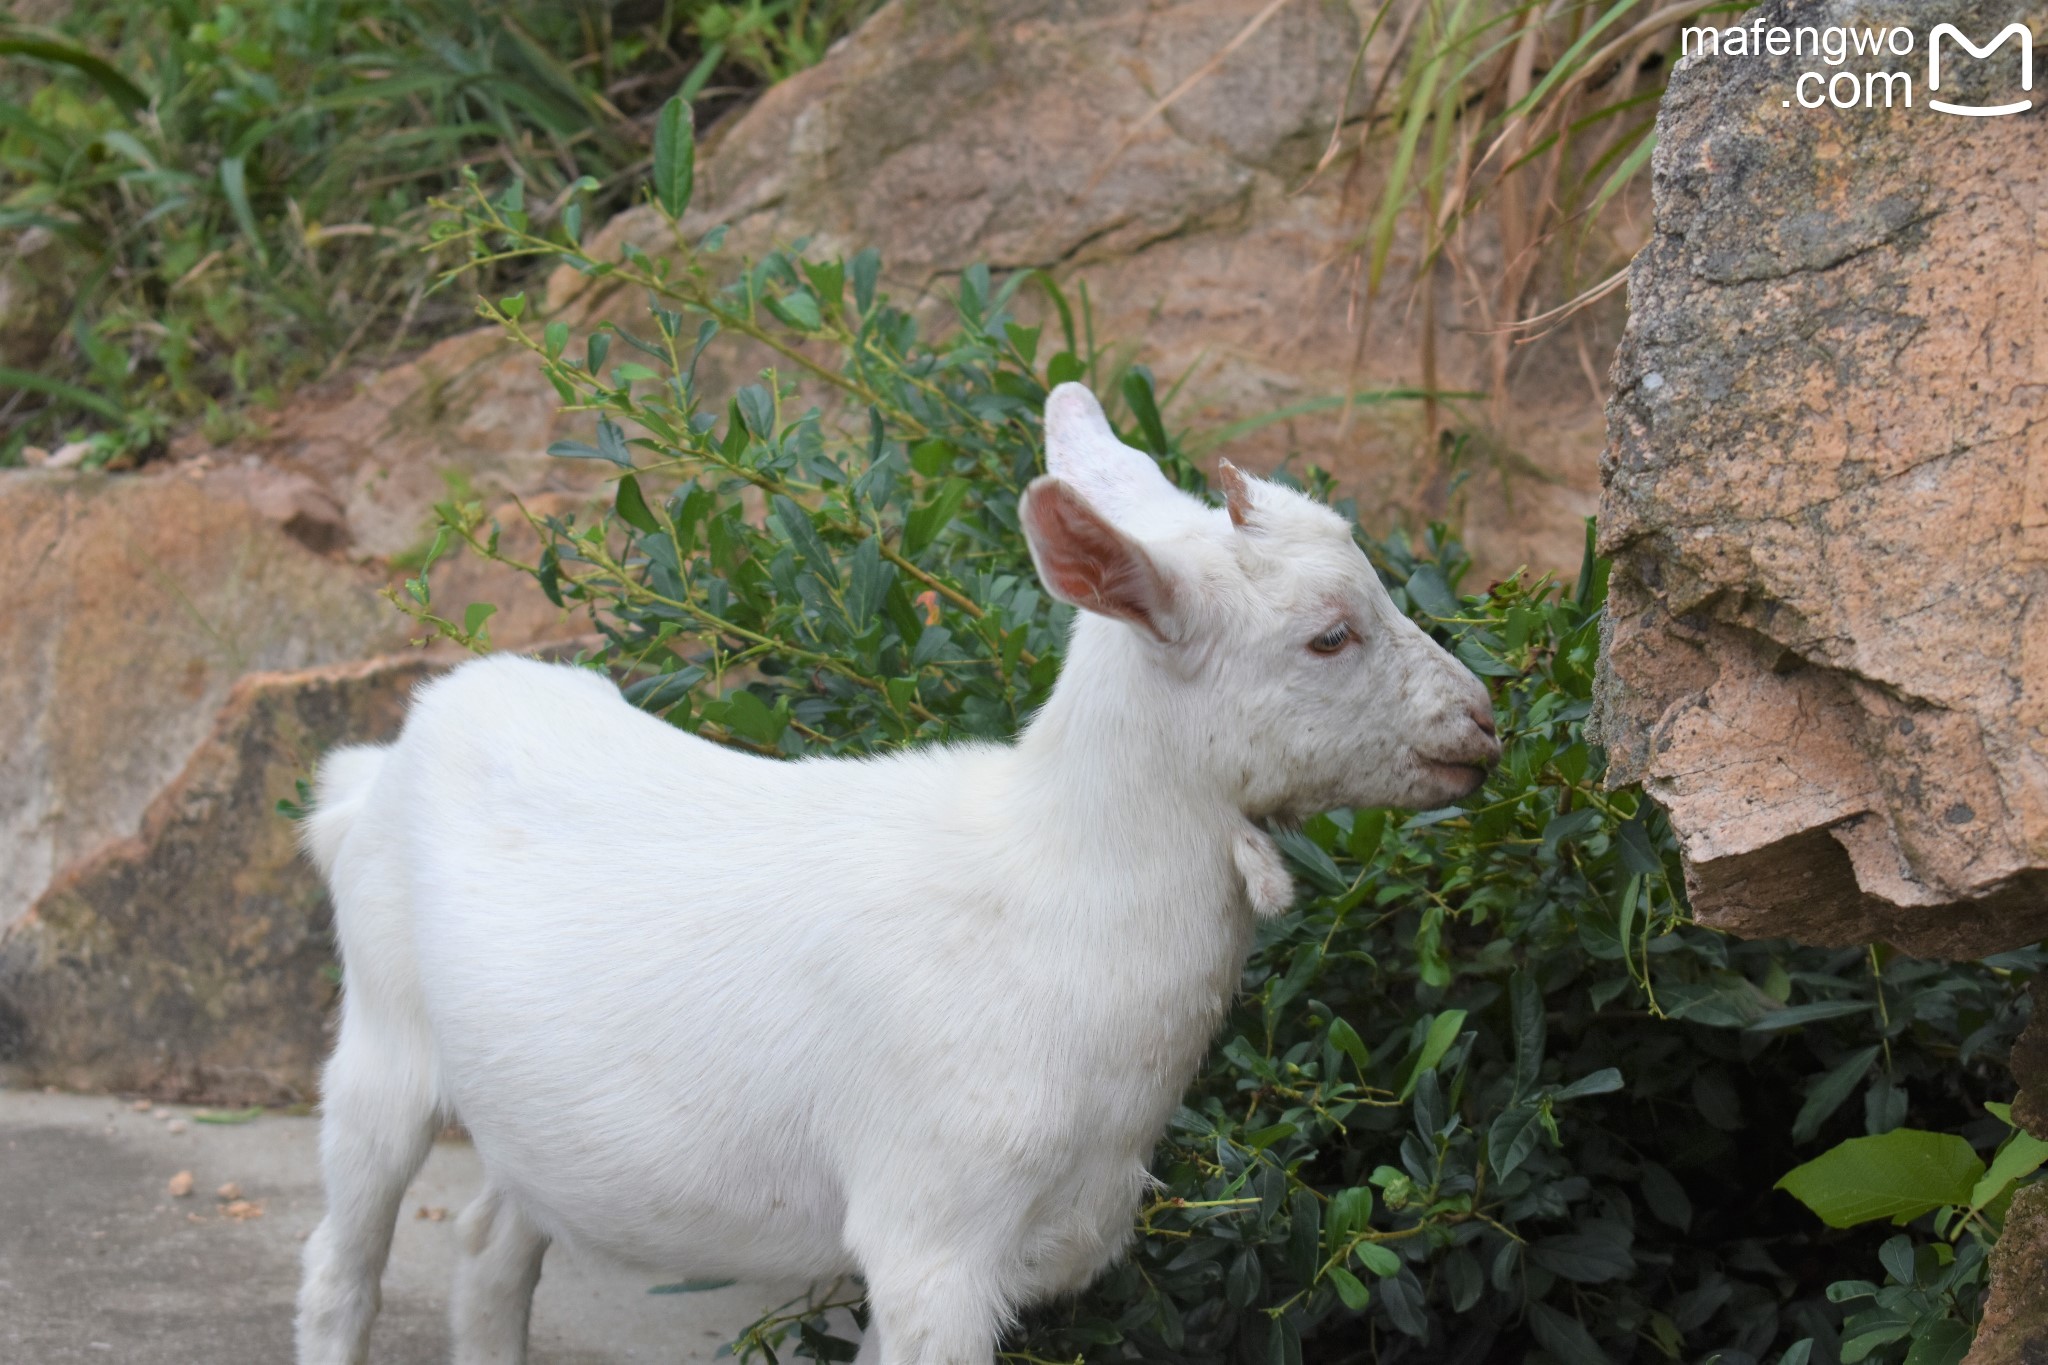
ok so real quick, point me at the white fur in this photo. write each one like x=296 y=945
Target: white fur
x=922 y=1017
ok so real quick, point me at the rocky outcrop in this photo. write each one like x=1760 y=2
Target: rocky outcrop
x=2014 y=1329
x=133 y=604
x=1826 y=494
x=194 y=961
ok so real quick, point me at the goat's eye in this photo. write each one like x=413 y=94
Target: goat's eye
x=1331 y=640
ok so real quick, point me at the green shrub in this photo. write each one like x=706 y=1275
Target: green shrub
x=1487 y=1094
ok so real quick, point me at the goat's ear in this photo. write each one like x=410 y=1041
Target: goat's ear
x=1084 y=560
x=1081 y=448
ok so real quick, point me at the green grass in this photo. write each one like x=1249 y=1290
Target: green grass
x=203 y=204
x=1510 y=130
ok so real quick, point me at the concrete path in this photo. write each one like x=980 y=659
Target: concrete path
x=99 y=1263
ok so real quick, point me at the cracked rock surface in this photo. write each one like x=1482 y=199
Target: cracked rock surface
x=1825 y=489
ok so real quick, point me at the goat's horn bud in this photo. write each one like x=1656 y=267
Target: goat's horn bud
x=1237 y=492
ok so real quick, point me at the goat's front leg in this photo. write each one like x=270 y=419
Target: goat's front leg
x=936 y=1312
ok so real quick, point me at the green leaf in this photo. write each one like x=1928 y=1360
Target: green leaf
x=2021 y=1155
x=1380 y=1260
x=1345 y=1039
x=1308 y=855
x=1941 y=1343
x=611 y=443
x=691 y=1287
x=1605 y=1081
x=675 y=157
x=1349 y=1288
x=632 y=506
x=58 y=389
x=1443 y=1031
x=474 y=616
x=1265 y=1137
x=867 y=272
x=1428 y=590
x=1901 y=1174
x=1349 y=1209
x=234 y=182
x=1138 y=393
x=803 y=538
x=799 y=310
x=1512 y=1138
x=1798 y=1016
x=1666 y=1197
x=1564 y=1337
x=1858 y=1346
x=1591 y=1257
x=117 y=87
x=925 y=523
x=749 y=715
x=1525 y=1003
x=1831 y=1091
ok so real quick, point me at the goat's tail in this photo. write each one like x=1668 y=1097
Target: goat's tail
x=340 y=787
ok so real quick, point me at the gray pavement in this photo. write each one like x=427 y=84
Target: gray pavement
x=100 y=1263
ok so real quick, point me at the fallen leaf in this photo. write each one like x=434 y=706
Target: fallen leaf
x=249 y=1115
x=175 y=1126
x=180 y=1185
x=140 y=1106
x=241 y=1210
x=431 y=1215
x=228 y=1191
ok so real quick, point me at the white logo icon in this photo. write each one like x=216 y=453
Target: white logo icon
x=2013 y=30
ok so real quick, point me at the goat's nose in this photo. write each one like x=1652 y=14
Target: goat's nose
x=1482 y=716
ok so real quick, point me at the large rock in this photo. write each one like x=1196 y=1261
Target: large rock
x=194 y=960
x=133 y=604
x=1826 y=492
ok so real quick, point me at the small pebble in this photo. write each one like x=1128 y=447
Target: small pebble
x=228 y=1191
x=180 y=1185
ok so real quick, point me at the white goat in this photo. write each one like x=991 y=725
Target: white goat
x=921 y=1017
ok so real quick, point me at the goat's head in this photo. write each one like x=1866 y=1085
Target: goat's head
x=1262 y=624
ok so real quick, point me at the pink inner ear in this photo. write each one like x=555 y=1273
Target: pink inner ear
x=1090 y=563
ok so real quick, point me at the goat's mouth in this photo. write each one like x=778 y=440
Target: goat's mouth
x=1466 y=777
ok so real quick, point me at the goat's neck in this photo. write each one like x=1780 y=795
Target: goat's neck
x=1111 y=761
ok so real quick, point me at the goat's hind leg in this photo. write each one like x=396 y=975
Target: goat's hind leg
x=377 y=1121
x=500 y=1254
